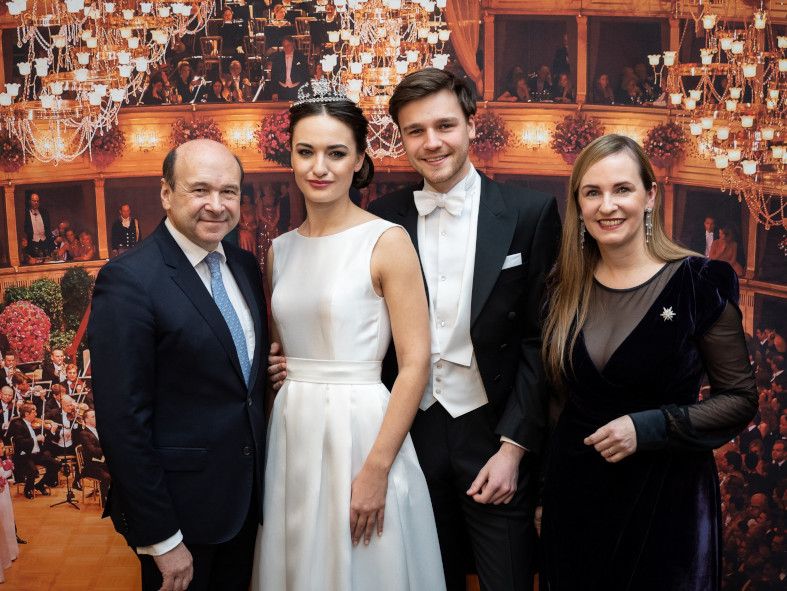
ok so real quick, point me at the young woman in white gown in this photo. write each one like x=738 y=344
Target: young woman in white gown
x=346 y=503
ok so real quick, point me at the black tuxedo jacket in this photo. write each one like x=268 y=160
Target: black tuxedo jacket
x=507 y=305
x=29 y=225
x=23 y=442
x=298 y=73
x=183 y=434
x=698 y=241
x=48 y=373
x=91 y=447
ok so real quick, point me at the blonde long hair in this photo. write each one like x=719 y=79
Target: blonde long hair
x=572 y=277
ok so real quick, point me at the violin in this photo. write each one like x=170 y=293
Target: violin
x=37 y=422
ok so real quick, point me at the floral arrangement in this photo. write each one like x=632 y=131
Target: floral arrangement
x=44 y=293
x=491 y=135
x=8 y=465
x=27 y=328
x=273 y=138
x=107 y=145
x=574 y=133
x=199 y=128
x=12 y=156
x=665 y=144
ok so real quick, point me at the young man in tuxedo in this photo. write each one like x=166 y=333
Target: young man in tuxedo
x=485 y=250
x=176 y=333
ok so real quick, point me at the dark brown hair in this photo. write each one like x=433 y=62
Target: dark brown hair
x=430 y=81
x=348 y=113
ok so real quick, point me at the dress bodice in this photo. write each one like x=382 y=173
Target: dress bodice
x=323 y=301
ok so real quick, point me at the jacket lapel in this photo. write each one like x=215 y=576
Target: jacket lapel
x=184 y=275
x=242 y=279
x=496 y=227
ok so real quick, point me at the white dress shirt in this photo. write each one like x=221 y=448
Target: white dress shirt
x=708 y=242
x=446 y=245
x=288 y=68
x=38 y=226
x=36 y=448
x=125 y=221
x=196 y=256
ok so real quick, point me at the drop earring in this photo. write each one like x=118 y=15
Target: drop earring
x=581 y=233
x=648 y=225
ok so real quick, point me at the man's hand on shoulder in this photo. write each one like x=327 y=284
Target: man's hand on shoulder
x=177 y=568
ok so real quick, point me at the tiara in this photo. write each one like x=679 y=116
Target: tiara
x=321 y=91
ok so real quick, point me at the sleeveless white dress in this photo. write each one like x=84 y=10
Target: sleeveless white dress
x=335 y=331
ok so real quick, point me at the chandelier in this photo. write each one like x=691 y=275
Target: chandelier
x=734 y=102
x=84 y=59
x=380 y=42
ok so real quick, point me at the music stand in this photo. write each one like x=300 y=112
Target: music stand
x=70 y=496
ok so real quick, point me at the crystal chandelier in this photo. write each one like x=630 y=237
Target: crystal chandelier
x=83 y=61
x=380 y=42
x=734 y=102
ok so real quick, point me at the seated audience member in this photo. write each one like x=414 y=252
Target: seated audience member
x=125 y=232
x=648 y=88
x=95 y=466
x=602 y=91
x=289 y=70
x=633 y=93
x=8 y=410
x=185 y=84
x=564 y=90
x=54 y=369
x=59 y=233
x=725 y=248
x=70 y=247
x=156 y=92
x=237 y=84
x=29 y=453
x=541 y=85
x=37 y=229
x=518 y=92
x=87 y=251
x=216 y=93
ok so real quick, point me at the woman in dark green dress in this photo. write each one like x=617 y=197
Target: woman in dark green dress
x=631 y=497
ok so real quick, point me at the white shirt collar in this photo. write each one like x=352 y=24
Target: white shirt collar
x=194 y=252
x=465 y=183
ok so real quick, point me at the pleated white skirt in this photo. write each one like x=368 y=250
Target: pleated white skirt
x=324 y=422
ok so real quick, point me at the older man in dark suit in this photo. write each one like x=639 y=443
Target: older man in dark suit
x=176 y=333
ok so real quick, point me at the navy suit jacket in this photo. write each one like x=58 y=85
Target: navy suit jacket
x=507 y=304
x=183 y=434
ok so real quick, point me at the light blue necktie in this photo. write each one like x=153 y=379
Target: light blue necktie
x=228 y=311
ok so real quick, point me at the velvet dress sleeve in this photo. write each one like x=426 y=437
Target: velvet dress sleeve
x=732 y=402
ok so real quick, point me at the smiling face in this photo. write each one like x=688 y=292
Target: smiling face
x=204 y=204
x=612 y=201
x=436 y=137
x=324 y=158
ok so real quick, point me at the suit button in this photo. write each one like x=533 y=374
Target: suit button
x=503 y=346
x=497 y=378
x=246 y=450
x=511 y=315
x=250 y=401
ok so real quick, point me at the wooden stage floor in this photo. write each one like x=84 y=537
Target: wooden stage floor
x=68 y=549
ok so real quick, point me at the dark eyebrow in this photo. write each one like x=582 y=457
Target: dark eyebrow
x=331 y=147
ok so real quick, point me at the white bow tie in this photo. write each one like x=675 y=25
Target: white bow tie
x=427 y=201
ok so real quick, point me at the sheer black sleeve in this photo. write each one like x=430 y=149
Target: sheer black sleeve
x=732 y=402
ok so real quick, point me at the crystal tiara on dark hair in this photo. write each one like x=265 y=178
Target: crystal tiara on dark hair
x=321 y=91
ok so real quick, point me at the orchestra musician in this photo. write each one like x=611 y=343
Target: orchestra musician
x=54 y=369
x=95 y=466
x=9 y=410
x=66 y=421
x=28 y=438
x=77 y=387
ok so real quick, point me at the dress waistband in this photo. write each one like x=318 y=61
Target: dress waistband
x=329 y=371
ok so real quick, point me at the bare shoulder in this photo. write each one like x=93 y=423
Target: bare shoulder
x=393 y=240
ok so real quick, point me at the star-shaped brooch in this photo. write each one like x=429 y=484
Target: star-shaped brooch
x=668 y=314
